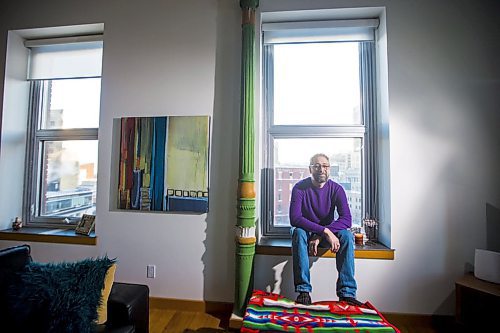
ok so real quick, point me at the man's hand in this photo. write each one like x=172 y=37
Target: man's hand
x=332 y=240
x=313 y=244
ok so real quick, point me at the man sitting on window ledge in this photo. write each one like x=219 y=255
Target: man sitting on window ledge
x=312 y=207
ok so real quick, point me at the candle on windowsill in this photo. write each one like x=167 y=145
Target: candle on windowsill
x=358 y=238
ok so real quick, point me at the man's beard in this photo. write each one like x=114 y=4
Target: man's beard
x=320 y=177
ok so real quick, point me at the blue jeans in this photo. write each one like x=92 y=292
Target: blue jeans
x=346 y=284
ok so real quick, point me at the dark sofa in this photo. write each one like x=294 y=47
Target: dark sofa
x=128 y=304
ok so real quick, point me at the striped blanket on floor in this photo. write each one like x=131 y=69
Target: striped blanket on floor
x=268 y=312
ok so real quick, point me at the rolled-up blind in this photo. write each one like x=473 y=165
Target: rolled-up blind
x=64 y=58
x=319 y=31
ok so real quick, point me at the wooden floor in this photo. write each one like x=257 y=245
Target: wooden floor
x=424 y=324
x=173 y=321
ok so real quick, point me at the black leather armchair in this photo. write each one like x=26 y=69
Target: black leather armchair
x=128 y=304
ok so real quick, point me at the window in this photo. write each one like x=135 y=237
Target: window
x=319 y=96
x=63 y=130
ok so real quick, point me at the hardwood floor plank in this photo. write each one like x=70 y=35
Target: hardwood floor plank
x=172 y=321
x=179 y=322
x=203 y=320
x=159 y=319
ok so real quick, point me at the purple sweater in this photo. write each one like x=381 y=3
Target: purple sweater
x=312 y=208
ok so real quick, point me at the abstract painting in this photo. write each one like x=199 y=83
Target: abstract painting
x=164 y=163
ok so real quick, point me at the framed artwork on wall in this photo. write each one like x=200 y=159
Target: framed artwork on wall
x=164 y=164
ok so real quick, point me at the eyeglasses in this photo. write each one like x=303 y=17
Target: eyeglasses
x=318 y=166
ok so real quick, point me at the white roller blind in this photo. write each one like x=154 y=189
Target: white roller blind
x=64 y=58
x=319 y=31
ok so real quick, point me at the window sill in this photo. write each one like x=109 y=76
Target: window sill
x=48 y=235
x=283 y=247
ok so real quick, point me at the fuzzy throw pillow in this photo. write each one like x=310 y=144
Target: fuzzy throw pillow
x=102 y=310
x=58 y=297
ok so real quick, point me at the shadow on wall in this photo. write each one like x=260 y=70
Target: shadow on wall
x=492 y=228
x=492 y=244
x=446 y=304
x=219 y=256
x=279 y=280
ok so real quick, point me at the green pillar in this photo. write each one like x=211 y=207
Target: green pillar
x=245 y=227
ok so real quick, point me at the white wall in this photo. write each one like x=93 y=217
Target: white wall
x=13 y=130
x=182 y=58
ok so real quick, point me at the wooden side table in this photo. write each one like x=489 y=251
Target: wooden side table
x=476 y=299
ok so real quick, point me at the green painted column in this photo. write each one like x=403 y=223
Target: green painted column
x=245 y=228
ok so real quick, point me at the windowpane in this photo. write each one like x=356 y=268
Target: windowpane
x=63 y=133
x=72 y=103
x=291 y=157
x=68 y=178
x=316 y=84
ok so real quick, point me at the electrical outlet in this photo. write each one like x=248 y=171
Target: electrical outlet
x=151 y=271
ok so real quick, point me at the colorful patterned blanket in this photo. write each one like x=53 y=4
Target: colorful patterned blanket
x=268 y=312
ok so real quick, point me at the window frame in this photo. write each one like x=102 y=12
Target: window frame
x=366 y=131
x=36 y=137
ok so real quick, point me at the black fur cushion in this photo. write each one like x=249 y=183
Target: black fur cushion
x=58 y=297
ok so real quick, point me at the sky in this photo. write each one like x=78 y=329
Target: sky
x=80 y=101
x=297 y=152
x=319 y=78
x=315 y=84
